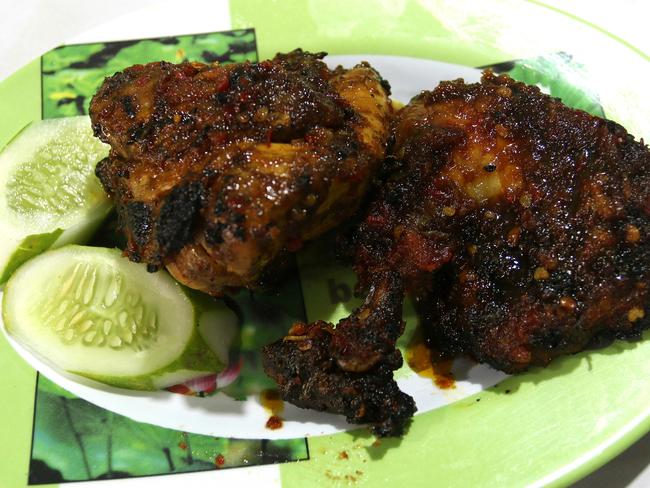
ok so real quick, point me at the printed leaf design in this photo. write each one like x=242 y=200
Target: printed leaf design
x=72 y=74
x=76 y=440
x=265 y=318
x=558 y=75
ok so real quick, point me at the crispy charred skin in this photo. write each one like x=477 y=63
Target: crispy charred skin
x=538 y=215
x=348 y=369
x=216 y=171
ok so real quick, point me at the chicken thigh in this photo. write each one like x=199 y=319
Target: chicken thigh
x=219 y=171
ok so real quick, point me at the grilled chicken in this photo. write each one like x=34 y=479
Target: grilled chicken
x=348 y=369
x=219 y=171
x=520 y=226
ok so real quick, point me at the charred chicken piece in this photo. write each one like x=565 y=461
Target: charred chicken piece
x=217 y=171
x=521 y=227
x=348 y=370
x=538 y=214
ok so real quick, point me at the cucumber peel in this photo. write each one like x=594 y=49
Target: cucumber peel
x=49 y=194
x=100 y=316
x=29 y=247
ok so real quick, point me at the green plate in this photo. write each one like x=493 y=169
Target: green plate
x=547 y=427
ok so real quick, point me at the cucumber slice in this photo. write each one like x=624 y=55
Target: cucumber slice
x=49 y=194
x=89 y=311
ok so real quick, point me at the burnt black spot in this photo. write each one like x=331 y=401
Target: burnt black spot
x=240 y=77
x=209 y=172
x=238 y=159
x=550 y=338
x=490 y=167
x=391 y=140
x=214 y=233
x=98 y=131
x=139 y=221
x=187 y=119
x=342 y=154
x=177 y=216
x=202 y=137
x=220 y=207
x=236 y=221
x=221 y=98
x=103 y=173
x=614 y=127
x=389 y=166
x=158 y=123
x=344 y=149
x=385 y=85
x=127 y=106
x=302 y=182
x=137 y=132
x=349 y=113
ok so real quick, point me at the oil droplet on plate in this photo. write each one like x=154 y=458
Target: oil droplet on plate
x=429 y=364
x=272 y=403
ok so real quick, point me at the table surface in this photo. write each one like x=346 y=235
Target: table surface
x=47 y=27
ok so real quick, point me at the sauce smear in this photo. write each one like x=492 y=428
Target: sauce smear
x=271 y=401
x=429 y=364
